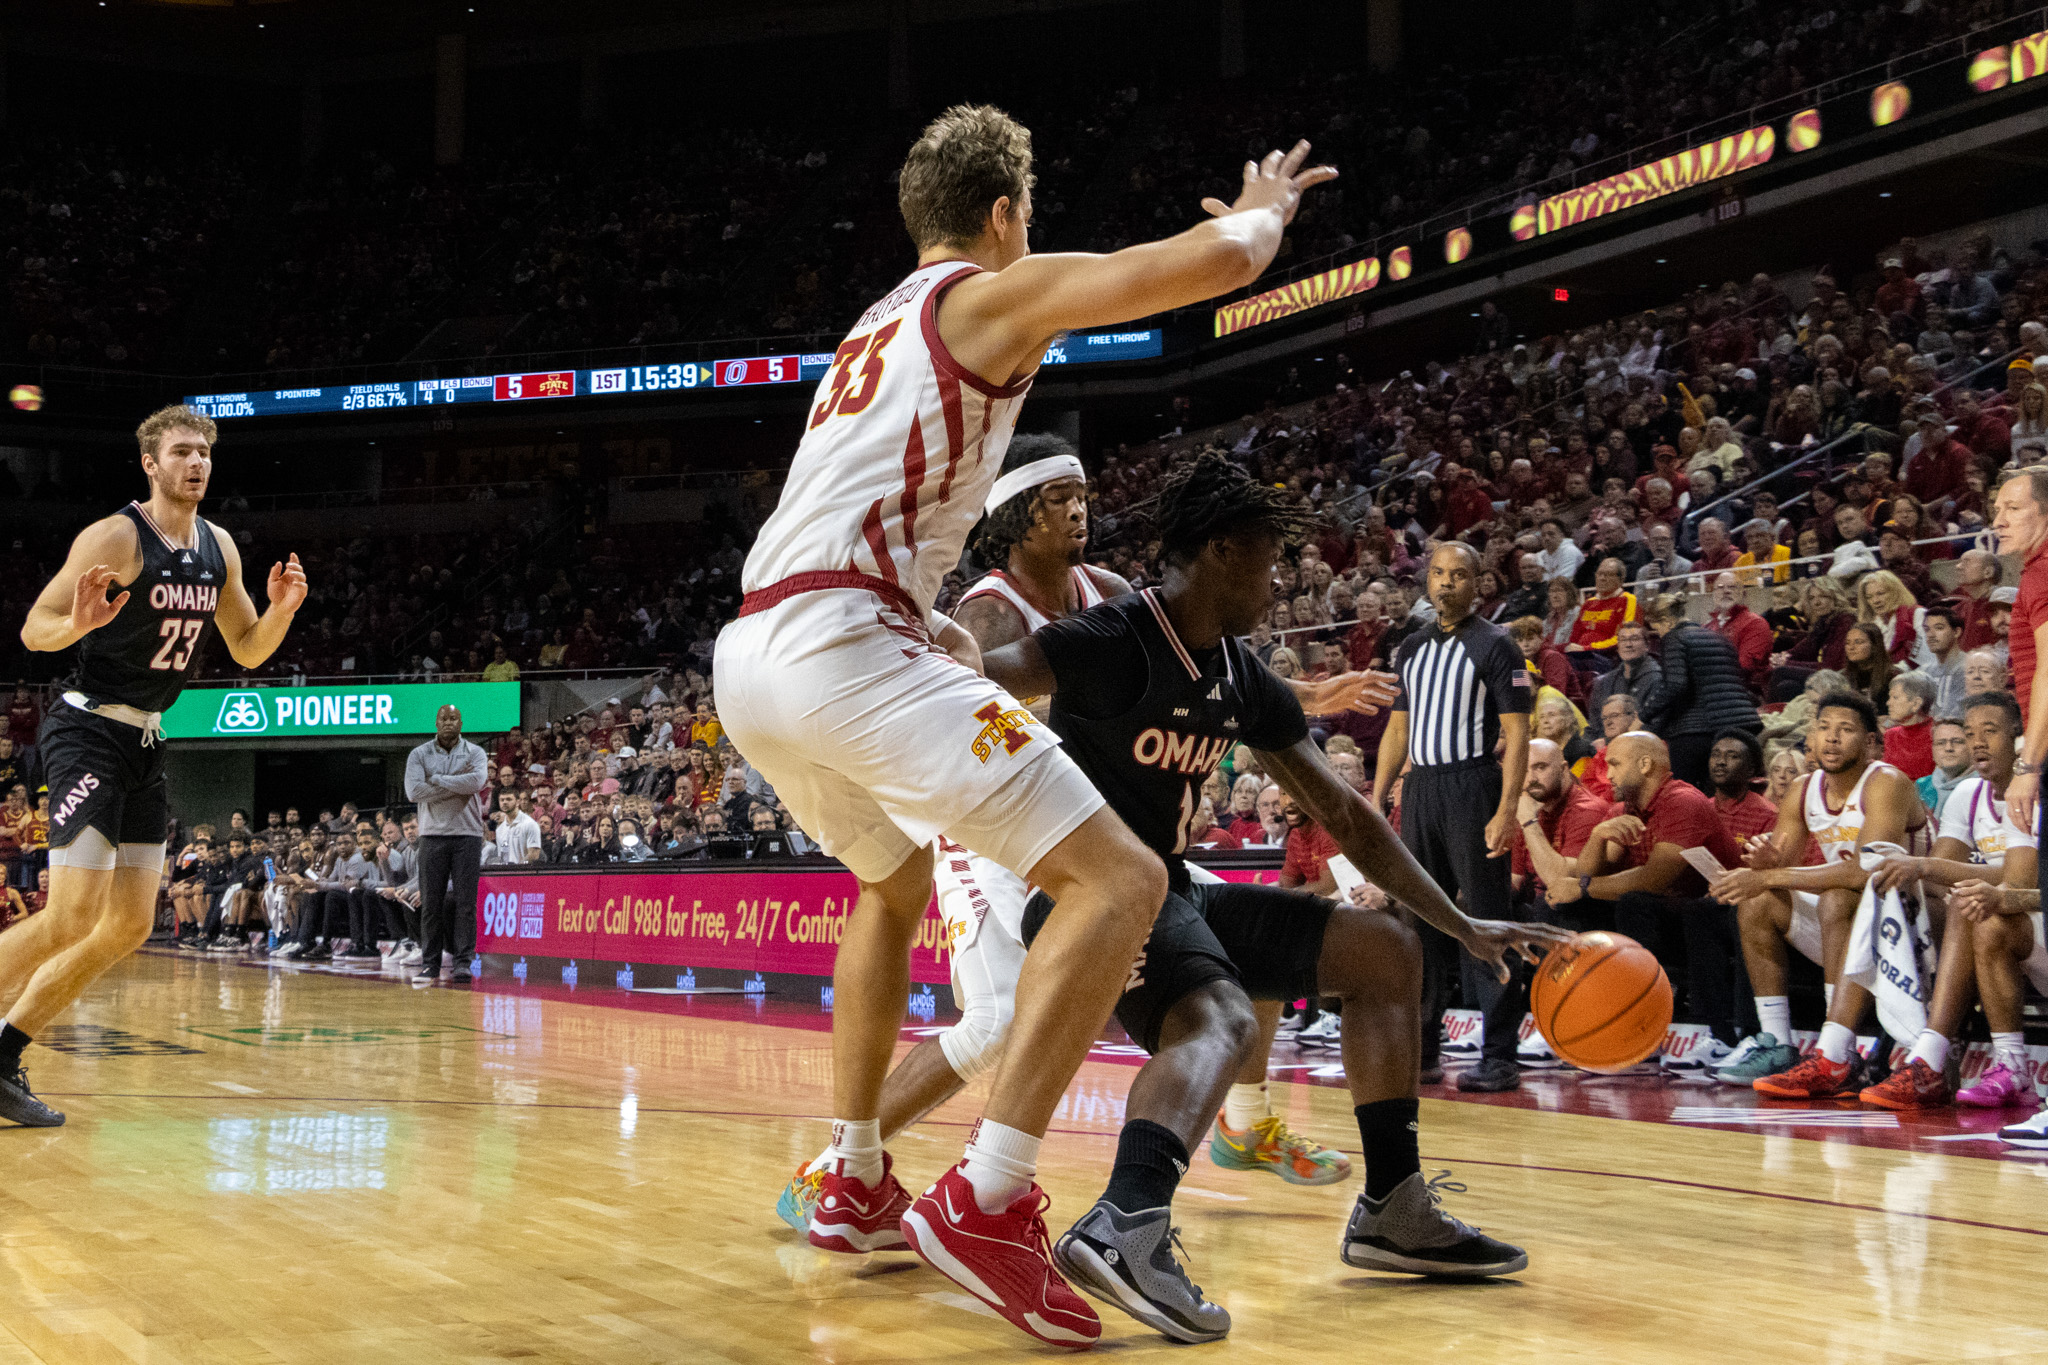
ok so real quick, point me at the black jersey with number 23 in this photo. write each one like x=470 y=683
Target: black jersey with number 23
x=142 y=657
x=1148 y=719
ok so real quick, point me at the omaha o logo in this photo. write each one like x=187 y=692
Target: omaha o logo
x=735 y=371
x=241 y=713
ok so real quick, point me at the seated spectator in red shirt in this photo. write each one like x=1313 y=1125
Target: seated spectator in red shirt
x=1243 y=817
x=1735 y=763
x=1900 y=292
x=1733 y=621
x=1909 y=740
x=1557 y=815
x=1983 y=431
x=1936 y=473
x=1716 y=551
x=1601 y=616
x=1203 y=831
x=1309 y=850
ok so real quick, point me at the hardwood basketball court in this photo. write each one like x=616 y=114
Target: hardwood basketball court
x=269 y=1164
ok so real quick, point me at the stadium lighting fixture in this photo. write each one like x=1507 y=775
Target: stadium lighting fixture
x=1884 y=194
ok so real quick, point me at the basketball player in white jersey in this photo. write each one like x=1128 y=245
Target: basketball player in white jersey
x=135 y=596
x=834 y=683
x=1851 y=803
x=1971 y=844
x=1037 y=530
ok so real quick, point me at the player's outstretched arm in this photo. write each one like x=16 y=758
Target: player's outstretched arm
x=1035 y=299
x=1370 y=843
x=1020 y=668
x=74 y=602
x=251 y=639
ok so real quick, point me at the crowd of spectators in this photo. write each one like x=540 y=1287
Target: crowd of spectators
x=127 y=257
x=651 y=780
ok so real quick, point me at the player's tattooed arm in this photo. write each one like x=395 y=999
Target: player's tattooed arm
x=74 y=603
x=1019 y=668
x=1373 y=848
x=252 y=639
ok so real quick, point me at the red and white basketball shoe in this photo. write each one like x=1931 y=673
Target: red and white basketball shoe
x=850 y=1216
x=1004 y=1259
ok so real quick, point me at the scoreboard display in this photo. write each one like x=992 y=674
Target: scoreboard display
x=1080 y=348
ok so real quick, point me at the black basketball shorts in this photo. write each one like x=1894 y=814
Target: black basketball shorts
x=101 y=776
x=1265 y=939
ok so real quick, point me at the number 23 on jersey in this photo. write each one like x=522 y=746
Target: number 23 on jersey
x=180 y=634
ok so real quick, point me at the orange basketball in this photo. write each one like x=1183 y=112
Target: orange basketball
x=1602 y=1001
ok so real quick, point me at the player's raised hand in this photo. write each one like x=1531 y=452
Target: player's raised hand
x=287 y=584
x=90 y=608
x=1276 y=182
x=1491 y=940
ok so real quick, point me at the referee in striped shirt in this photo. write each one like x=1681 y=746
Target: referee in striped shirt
x=1464 y=688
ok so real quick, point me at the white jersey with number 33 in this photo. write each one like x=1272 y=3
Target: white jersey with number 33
x=900 y=450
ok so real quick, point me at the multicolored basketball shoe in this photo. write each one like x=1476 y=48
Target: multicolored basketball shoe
x=1915 y=1085
x=1270 y=1145
x=799 y=1197
x=1813 y=1078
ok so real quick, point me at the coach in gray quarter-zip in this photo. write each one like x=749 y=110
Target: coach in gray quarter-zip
x=445 y=777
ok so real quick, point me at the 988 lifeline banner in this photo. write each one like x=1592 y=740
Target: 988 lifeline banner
x=747 y=919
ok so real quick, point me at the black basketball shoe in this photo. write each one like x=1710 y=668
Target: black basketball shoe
x=1409 y=1231
x=21 y=1106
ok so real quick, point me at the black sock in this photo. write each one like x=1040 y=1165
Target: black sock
x=1392 y=1154
x=12 y=1041
x=1150 y=1160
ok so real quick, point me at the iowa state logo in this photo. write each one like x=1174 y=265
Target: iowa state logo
x=1006 y=728
x=241 y=713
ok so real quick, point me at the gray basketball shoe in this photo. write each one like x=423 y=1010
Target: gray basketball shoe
x=1126 y=1260
x=1410 y=1232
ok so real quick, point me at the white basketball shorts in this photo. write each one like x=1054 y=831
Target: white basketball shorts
x=878 y=741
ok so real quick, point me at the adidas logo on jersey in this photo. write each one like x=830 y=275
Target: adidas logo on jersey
x=1216 y=692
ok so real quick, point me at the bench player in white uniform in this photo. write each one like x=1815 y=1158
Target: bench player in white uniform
x=1854 y=801
x=1994 y=928
x=1971 y=845
x=854 y=702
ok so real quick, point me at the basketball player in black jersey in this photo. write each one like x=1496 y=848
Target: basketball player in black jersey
x=1148 y=693
x=136 y=595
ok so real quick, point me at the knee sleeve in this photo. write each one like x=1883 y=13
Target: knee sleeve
x=975 y=1044
x=985 y=982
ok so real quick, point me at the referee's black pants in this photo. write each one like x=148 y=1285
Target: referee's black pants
x=1444 y=811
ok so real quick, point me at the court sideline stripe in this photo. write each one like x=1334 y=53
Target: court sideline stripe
x=1760 y=1194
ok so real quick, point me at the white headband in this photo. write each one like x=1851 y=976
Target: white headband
x=1024 y=478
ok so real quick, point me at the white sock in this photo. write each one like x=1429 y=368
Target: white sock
x=1828 y=993
x=857 y=1147
x=1837 y=1041
x=1245 y=1105
x=2011 y=1048
x=1931 y=1048
x=1774 y=1016
x=1000 y=1163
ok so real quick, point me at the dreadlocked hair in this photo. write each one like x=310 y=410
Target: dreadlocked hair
x=1209 y=497
x=1009 y=523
